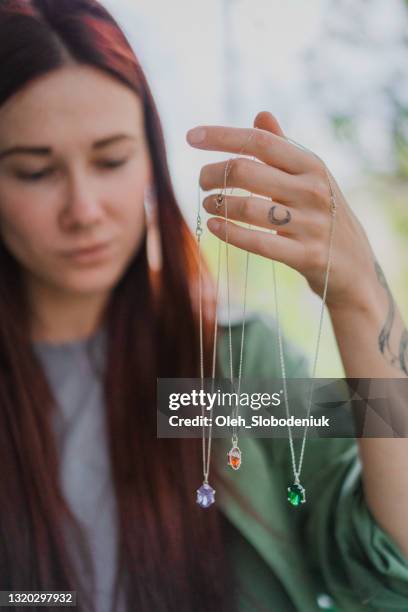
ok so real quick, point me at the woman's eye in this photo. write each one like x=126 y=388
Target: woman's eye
x=46 y=172
x=112 y=163
x=34 y=176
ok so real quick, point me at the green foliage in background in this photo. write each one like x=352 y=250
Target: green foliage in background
x=385 y=192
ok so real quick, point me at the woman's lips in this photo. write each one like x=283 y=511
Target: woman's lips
x=95 y=253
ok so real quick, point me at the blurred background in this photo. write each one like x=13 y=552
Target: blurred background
x=334 y=73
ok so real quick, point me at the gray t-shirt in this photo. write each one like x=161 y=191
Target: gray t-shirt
x=74 y=371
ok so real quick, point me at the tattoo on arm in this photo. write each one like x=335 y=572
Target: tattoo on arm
x=384 y=337
x=400 y=359
x=403 y=351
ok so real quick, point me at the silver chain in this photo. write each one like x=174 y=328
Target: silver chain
x=234 y=438
x=333 y=210
x=199 y=231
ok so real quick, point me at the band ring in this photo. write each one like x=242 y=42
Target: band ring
x=219 y=200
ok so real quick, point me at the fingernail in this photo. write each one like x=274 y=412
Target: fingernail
x=213 y=225
x=196 y=135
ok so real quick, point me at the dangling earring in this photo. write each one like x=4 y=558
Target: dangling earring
x=154 y=255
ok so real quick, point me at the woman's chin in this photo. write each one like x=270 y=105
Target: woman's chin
x=88 y=281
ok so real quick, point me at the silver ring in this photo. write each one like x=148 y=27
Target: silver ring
x=219 y=200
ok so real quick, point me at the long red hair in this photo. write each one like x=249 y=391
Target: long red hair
x=171 y=551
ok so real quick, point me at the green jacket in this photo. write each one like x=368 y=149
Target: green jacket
x=326 y=554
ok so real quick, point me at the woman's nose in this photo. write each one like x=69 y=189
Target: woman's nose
x=83 y=206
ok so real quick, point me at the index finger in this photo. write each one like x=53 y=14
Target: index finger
x=265 y=146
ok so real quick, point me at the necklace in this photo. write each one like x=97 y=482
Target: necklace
x=296 y=492
x=206 y=494
x=234 y=455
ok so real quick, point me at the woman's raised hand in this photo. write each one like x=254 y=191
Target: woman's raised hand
x=290 y=194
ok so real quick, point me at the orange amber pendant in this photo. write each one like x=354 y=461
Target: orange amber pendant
x=234 y=458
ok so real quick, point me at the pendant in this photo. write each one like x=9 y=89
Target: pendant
x=296 y=494
x=205 y=495
x=234 y=458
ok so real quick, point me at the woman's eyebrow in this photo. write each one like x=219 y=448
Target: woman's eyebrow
x=44 y=150
x=111 y=139
x=18 y=150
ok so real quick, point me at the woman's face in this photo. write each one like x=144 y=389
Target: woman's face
x=74 y=164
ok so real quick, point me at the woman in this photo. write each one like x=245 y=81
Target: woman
x=86 y=487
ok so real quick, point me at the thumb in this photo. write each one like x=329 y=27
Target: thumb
x=266 y=121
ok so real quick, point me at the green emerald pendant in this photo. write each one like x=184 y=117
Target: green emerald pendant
x=296 y=494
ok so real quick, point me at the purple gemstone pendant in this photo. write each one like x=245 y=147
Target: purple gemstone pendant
x=205 y=495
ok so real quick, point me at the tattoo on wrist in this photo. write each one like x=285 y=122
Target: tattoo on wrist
x=400 y=359
x=403 y=351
